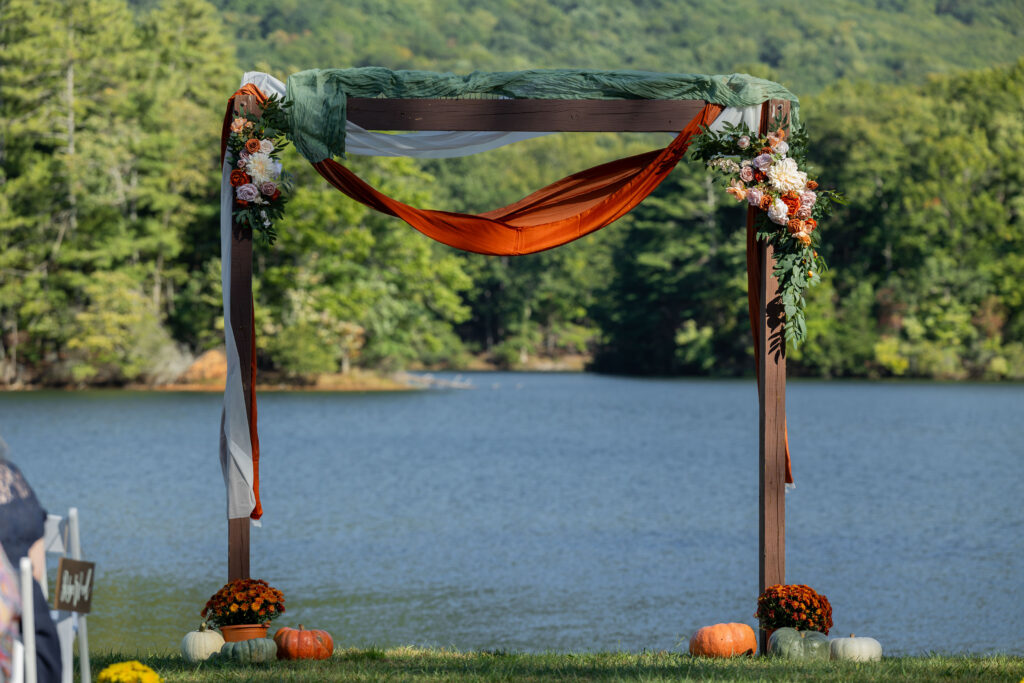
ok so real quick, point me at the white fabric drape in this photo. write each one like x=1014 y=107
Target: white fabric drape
x=235 y=443
x=736 y=115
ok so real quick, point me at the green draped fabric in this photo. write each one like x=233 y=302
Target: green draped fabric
x=318 y=96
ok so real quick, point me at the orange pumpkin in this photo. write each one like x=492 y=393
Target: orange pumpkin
x=723 y=640
x=302 y=644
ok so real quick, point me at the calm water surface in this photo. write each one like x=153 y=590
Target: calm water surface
x=537 y=512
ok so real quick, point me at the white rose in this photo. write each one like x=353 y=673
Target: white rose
x=779 y=212
x=781 y=147
x=262 y=168
x=785 y=177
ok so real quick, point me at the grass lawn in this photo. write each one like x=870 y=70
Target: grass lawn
x=412 y=664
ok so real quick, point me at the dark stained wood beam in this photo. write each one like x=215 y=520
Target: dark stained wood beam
x=772 y=380
x=240 y=306
x=523 y=115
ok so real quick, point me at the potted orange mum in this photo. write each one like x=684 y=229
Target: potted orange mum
x=796 y=606
x=243 y=608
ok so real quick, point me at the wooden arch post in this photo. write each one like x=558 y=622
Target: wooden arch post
x=771 y=379
x=241 y=308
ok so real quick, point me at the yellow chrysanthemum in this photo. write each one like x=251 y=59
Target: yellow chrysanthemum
x=129 y=672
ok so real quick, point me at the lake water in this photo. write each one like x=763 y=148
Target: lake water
x=540 y=512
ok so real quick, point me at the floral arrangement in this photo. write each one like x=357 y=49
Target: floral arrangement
x=765 y=172
x=261 y=189
x=244 y=601
x=129 y=672
x=796 y=606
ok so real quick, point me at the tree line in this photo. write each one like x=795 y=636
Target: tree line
x=109 y=245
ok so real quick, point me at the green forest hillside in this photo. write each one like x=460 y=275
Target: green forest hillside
x=109 y=248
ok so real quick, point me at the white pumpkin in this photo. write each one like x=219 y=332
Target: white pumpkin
x=197 y=646
x=855 y=649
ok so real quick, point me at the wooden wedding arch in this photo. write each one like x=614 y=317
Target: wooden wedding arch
x=556 y=115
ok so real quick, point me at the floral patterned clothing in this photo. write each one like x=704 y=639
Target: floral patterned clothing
x=10 y=607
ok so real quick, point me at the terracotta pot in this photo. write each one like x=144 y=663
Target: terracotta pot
x=237 y=632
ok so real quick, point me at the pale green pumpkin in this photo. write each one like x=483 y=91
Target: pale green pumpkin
x=789 y=643
x=855 y=649
x=198 y=646
x=252 y=651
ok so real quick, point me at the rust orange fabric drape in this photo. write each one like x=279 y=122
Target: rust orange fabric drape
x=559 y=213
x=229 y=114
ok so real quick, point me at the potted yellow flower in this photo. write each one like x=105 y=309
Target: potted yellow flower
x=243 y=608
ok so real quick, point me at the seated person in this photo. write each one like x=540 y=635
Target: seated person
x=22 y=525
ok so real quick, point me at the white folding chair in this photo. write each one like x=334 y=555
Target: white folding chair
x=63 y=540
x=23 y=664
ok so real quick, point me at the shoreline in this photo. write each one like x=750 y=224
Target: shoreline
x=359 y=381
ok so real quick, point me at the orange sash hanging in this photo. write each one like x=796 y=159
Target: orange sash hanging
x=550 y=217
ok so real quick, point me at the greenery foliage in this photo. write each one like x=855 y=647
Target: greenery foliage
x=109 y=248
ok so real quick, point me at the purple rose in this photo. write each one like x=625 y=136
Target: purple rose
x=743 y=142
x=747 y=174
x=754 y=196
x=763 y=162
x=268 y=188
x=247 y=192
x=243 y=159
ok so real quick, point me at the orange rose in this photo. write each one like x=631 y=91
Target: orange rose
x=811 y=225
x=252 y=145
x=241 y=202
x=766 y=203
x=792 y=202
x=804 y=238
x=795 y=225
x=239 y=177
x=811 y=185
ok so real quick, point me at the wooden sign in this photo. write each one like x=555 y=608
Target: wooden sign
x=74 y=586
